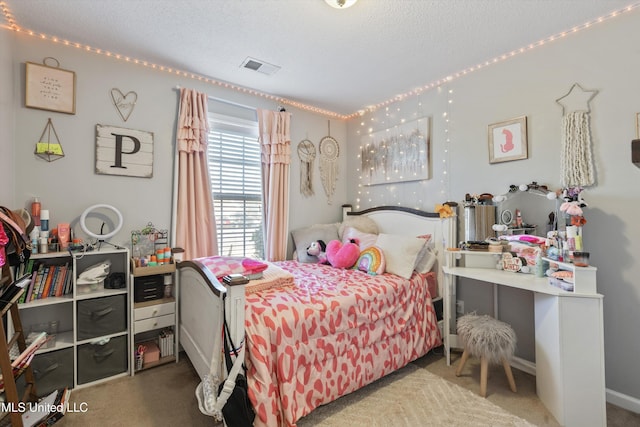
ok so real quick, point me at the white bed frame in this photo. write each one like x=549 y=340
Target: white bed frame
x=201 y=295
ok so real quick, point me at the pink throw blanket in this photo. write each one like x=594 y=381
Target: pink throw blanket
x=221 y=266
x=272 y=277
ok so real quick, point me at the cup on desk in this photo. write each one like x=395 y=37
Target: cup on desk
x=178 y=254
x=581 y=259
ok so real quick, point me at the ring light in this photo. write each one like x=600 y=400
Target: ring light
x=100 y=237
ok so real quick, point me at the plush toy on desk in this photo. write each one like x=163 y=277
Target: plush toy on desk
x=317 y=249
x=342 y=255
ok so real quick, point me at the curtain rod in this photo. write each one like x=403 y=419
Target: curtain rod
x=235 y=104
x=226 y=101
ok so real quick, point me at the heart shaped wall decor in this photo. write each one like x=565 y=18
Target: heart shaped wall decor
x=124 y=103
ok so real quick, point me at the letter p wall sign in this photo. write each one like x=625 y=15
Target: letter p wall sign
x=124 y=152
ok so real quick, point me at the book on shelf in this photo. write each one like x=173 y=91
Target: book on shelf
x=46 y=281
x=52 y=288
x=37 y=281
x=68 y=285
x=27 y=293
x=60 y=281
x=9 y=293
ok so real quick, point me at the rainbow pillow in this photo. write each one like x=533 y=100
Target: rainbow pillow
x=371 y=260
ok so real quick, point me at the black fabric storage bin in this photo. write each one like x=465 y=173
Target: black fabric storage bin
x=101 y=316
x=147 y=288
x=97 y=361
x=52 y=370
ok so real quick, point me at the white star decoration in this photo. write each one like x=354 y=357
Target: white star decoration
x=577 y=99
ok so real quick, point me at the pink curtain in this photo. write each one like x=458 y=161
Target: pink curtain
x=275 y=143
x=195 y=219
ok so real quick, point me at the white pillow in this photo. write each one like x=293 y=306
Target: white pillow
x=363 y=240
x=362 y=223
x=427 y=255
x=425 y=259
x=400 y=253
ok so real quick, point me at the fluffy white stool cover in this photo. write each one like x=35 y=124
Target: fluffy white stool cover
x=484 y=336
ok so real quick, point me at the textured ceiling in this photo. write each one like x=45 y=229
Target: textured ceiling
x=339 y=60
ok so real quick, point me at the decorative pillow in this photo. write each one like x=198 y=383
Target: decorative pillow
x=342 y=255
x=361 y=223
x=371 y=260
x=400 y=253
x=363 y=240
x=302 y=238
x=426 y=259
x=427 y=255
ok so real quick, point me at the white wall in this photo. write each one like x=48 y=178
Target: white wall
x=605 y=57
x=6 y=121
x=68 y=186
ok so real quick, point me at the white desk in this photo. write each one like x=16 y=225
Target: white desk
x=569 y=336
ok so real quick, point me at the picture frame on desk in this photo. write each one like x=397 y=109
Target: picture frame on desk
x=508 y=140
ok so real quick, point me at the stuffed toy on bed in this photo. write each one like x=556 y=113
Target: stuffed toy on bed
x=342 y=255
x=317 y=249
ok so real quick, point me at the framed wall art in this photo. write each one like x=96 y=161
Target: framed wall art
x=508 y=140
x=398 y=154
x=124 y=152
x=50 y=87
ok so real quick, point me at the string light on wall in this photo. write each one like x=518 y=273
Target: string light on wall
x=445 y=181
x=280 y=100
x=495 y=60
x=392 y=123
x=371 y=108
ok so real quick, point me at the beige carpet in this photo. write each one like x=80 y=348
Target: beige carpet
x=164 y=396
x=412 y=397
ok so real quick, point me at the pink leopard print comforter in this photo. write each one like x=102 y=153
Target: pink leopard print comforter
x=332 y=333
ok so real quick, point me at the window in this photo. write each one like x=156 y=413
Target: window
x=236 y=184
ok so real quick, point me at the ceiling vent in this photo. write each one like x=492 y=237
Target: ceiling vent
x=259 y=66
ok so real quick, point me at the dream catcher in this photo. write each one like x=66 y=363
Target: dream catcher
x=576 y=157
x=307 y=155
x=329 y=151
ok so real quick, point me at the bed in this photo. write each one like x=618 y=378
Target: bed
x=329 y=333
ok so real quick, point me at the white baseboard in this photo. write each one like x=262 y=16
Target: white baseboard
x=523 y=365
x=615 y=398
x=624 y=401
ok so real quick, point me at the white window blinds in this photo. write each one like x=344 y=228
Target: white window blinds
x=235 y=172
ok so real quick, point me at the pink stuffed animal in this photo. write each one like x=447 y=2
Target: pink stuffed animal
x=317 y=249
x=342 y=256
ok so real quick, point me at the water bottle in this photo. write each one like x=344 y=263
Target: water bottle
x=34 y=236
x=539 y=264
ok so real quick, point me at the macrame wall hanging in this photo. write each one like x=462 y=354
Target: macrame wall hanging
x=576 y=158
x=307 y=155
x=329 y=152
